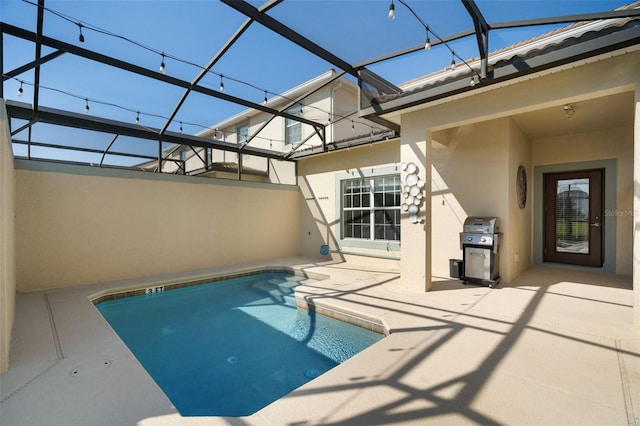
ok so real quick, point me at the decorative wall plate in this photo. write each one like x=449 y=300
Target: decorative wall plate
x=521 y=187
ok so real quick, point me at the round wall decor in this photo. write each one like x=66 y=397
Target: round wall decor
x=521 y=187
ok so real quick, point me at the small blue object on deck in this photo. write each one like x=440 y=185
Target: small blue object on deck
x=324 y=250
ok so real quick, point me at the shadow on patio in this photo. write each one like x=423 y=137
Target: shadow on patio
x=553 y=347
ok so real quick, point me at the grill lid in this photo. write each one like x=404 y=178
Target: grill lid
x=481 y=225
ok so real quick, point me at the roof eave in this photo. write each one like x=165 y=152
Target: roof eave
x=345 y=144
x=512 y=70
x=274 y=102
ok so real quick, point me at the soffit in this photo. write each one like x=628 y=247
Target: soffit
x=588 y=116
x=450 y=84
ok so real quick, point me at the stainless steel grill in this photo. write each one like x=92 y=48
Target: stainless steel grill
x=479 y=242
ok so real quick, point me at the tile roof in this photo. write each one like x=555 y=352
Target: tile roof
x=566 y=36
x=229 y=167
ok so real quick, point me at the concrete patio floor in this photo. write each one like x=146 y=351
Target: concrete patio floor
x=554 y=347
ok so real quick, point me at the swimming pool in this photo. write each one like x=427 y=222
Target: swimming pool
x=231 y=347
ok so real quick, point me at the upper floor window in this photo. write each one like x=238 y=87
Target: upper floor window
x=242 y=133
x=292 y=128
x=371 y=208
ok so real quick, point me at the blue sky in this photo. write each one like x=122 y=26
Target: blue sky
x=355 y=30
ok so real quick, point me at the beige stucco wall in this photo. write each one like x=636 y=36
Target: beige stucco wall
x=272 y=136
x=470 y=177
x=75 y=227
x=519 y=255
x=615 y=143
x=415 y=267
x=7 y=240
x=282 y=172
x=334 y=106
x=476 y=145
x=636 y=211
x=317 y=181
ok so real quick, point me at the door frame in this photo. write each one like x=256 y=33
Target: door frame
x=594 y=257
x=609 y=221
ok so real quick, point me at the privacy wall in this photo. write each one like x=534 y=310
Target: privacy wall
x=78 y=225
x=7 y=238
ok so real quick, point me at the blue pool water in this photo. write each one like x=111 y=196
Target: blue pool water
x=231 y=347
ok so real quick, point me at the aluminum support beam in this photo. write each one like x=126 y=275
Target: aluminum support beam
x=616 y=14
x=245 y=25
x=302 y=142
x=205 y=70
x=482 y=35
x=36 y=80
x=289 y=105
x=159 y=166
x=83 y=121
x=104 y=153
x=2 y=63
x=116 y=63
x=340 y=145
x=528 y=65
x=199 y=156
x=286 y=32
x=416 y=48
x=81 y=149
x=502 y=25
x=31 y=65
x=21 y=128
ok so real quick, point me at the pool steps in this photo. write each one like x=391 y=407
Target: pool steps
x=344 y=315
x=130 y=291
x=277 y=291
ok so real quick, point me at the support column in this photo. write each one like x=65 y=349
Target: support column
x=415 y=263
x=636 y=213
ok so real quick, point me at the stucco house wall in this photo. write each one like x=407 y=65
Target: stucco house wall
x=475 y=148
x=318 y=180
x=334 y=105
x=313 y=108
x=470 y=177
x=519 y=254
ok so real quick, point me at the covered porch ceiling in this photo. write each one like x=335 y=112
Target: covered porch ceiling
x=583 y=116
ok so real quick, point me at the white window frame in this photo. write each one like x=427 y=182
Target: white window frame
x=370 y=175
x=291 y=125
x=239 y=131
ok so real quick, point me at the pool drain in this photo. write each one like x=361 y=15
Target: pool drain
x=312 y=373
x=232 y=359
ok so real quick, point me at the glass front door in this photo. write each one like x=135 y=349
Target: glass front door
x=573 y=206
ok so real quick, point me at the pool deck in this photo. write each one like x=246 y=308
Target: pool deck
x=554 y=347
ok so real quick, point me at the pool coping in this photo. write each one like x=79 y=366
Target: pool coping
x=140 y=289
x=345 y=315
x=418 y=374
x=357 y=319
